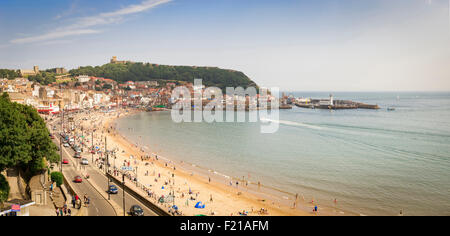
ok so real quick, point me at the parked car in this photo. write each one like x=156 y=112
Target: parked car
x=65 y=161
x=136 y=211
x=78 y=179
x=84 y=161
x=66 y=145
x=77 y=155
x=113 y=189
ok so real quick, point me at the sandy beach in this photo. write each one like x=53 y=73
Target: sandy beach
x=162 y=177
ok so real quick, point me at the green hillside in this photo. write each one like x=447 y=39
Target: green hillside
x=211 y=76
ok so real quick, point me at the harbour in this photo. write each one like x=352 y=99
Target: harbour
x=357 y=149
x=332 y=104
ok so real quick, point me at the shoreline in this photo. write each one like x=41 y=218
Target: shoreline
x=270 y=197
x=218 y=190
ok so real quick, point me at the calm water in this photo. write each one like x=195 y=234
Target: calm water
x=373 y=162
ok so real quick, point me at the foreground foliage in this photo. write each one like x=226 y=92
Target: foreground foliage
x=24 y=138
x=4 y=189
x=57 y=177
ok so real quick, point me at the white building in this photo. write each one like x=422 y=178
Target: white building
x=97 y=98
x=35 y=92
x=83 y=78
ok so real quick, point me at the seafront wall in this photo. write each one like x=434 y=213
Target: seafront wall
x=155 y=208
x=82 y=211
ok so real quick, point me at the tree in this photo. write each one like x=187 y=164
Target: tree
x=24 y=139
x=14 y=145
x=9 y=74
x=44 y=78
x=58 y=178
x=212 y=76
x=107 y=86
x=4 y=189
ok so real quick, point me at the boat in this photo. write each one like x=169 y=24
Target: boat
x=391 y=109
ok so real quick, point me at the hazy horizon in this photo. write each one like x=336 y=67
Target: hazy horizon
x=329 y=45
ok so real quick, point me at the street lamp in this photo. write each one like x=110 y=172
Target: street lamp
x=124 y=172
x=60 y=140
x=60 y=153
x=92 y=150
x=123 y=191
x=137 y=177
x=107 y=167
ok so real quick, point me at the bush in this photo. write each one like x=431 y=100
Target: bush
x=57 y=177
x=4 y=189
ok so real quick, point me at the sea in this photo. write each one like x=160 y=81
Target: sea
x=349 y=162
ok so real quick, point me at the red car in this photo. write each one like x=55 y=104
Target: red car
x=78 y=179
x=65 y=161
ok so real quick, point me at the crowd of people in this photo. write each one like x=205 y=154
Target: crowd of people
x=64 y=211
x=97 y=145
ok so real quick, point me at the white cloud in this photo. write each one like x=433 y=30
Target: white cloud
x=82 y=25
x=145 y=5
x=116 y=16
x=54 y=35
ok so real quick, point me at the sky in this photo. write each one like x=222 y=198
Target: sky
x=315 y=45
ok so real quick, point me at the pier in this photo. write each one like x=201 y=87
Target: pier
x=331 y=104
